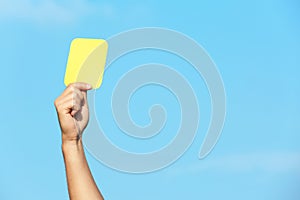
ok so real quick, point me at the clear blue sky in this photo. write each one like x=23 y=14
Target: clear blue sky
x=255 y=45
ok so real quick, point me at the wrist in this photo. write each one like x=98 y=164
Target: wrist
x=71 y=144
x=73 y=152
x=70 y=137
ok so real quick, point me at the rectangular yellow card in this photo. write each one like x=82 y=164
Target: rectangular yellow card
x=86 y=61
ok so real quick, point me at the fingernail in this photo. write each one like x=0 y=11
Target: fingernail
x=88 y=86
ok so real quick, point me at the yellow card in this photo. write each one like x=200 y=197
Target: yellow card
x=86 y=61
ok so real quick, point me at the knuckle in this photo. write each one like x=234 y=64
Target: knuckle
x=56 y=104
x=72 y=88
x=58 y=108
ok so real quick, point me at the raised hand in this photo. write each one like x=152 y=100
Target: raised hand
x=72 y=111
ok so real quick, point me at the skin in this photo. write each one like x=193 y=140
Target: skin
x=73 y=115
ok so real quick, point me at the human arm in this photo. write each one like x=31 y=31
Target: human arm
x=73 y=115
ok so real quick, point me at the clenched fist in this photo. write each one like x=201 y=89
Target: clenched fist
x=72 y=111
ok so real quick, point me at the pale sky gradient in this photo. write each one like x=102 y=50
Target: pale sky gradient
x=255 y=45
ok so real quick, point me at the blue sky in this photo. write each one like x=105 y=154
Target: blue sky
x=255 y=45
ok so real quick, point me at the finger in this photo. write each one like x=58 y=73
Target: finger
x=78 y=103
x=75 y=97
x=77 y=94
x=75 y=109
x=84 y=95
x=70 y=106
x=71 y=96
x=72 y=88
x=75 y=87
x=81 y=86
x=72 y=99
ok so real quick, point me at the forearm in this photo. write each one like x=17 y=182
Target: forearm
x=81 y=184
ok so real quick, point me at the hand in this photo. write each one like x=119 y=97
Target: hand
x=72 y=111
